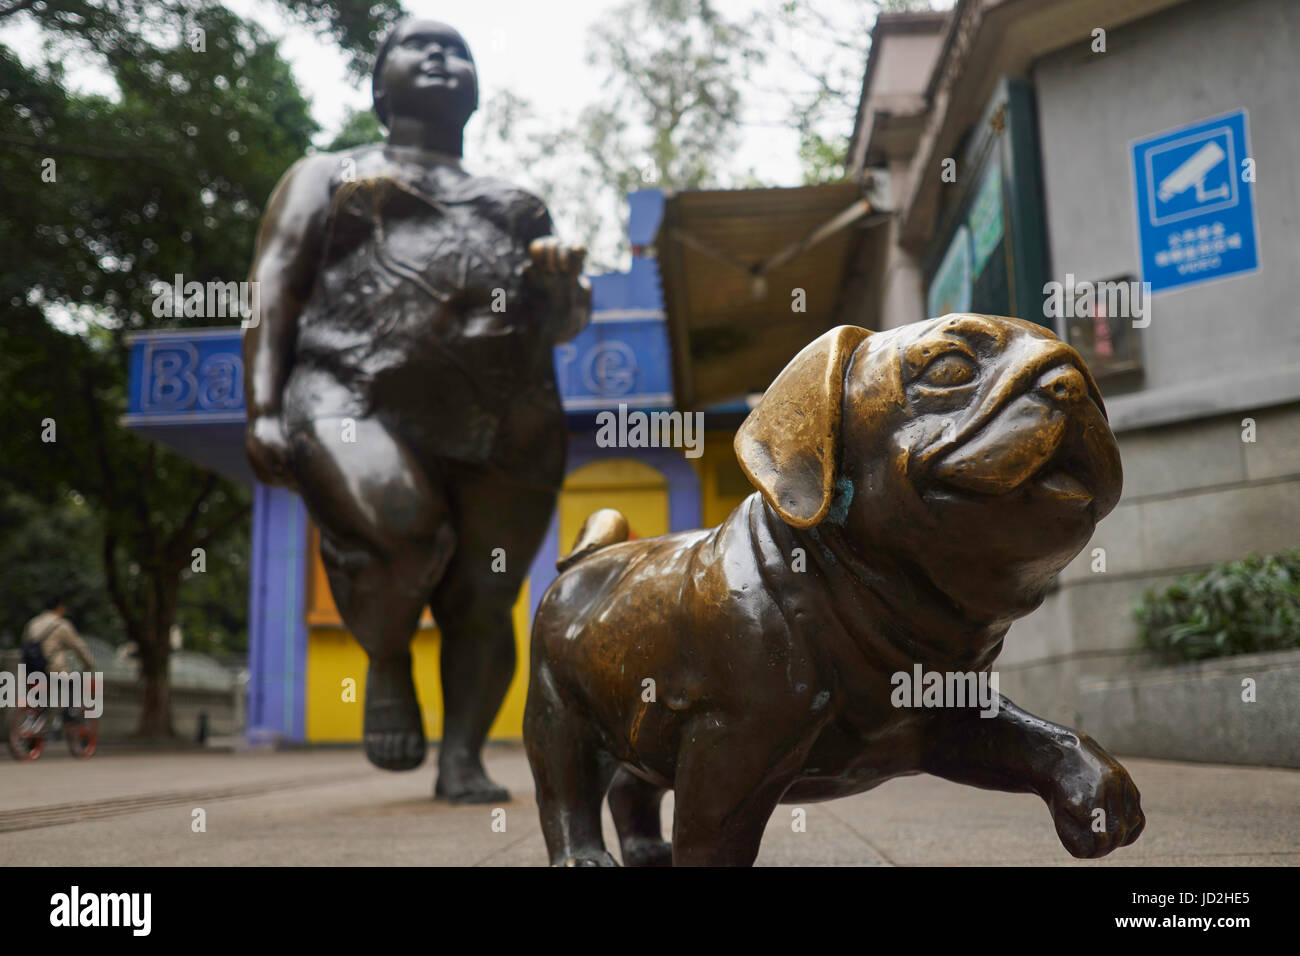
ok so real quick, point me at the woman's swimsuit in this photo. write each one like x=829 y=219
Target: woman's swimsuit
x=422 y=316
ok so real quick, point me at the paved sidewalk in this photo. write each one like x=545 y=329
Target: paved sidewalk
x=331 y=808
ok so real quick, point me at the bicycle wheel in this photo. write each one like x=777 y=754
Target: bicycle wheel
x=26 y=733
x=82 y=735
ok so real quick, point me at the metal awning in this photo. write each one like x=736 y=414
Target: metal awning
x=732 y=262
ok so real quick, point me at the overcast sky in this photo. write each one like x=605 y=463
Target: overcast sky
x=527 y=46
x=535 y=48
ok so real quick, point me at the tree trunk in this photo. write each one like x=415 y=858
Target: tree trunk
x=155 y=650
x=156 y=702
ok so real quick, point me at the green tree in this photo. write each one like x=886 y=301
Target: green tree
x=44 y=551
x=513 y=142
x=667 y=116
x=827 y=48
x=361 y=127
x=104 y=195
x=355 y=25
x=671 y=105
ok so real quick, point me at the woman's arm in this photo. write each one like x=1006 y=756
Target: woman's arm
x=554 y=272
x=556 y=269
x=284 y=268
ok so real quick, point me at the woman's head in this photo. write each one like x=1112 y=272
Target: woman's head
x=424 y=71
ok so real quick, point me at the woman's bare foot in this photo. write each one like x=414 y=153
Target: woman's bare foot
x=394 y=727
x=463 y=780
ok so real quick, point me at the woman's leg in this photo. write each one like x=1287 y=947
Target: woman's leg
x=473 y=604
x=385 y=542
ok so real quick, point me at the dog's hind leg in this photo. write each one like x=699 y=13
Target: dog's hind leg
x=635 y=805
x=570 y=772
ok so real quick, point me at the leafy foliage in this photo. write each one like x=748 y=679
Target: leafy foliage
x=52 y=549
x=1239 y=607
x=678 y=79
x=355 y=25
x=672 y=71
x=361 y=127
x=826 y=52
x=104 y=195
x=667 y=116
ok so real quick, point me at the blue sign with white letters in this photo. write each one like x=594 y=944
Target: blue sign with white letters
x=621 y=358
x=196 y=376
x=189 y=376
x=1196 y=203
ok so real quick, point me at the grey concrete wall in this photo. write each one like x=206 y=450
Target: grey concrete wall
x=1194 y=494
x=1216 y=353
x=123 y=701
x=1200 y=59
x=902 y=291
x=1200 y=711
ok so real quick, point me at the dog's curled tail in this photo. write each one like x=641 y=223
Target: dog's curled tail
x=601 y=529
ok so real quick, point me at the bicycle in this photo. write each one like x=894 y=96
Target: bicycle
x=29 y=725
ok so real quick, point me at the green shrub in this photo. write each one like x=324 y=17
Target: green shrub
x=1239 y=607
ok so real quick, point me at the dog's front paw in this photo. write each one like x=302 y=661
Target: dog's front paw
x=1094 y=802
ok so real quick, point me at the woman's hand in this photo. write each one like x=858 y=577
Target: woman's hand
x=268 y=450
x=557 y=269
x=549 y=255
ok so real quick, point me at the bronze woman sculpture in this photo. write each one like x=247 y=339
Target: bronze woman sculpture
x=400 y=377
x=918 y=489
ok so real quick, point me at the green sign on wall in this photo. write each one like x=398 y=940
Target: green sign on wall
x=950 y=288
x=986 y=217
x=992 y=215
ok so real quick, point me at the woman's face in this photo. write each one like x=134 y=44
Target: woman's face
x=429 y=74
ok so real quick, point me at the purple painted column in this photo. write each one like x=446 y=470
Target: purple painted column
x=277 y=627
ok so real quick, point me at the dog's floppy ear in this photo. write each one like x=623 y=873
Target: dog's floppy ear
x=787 y=446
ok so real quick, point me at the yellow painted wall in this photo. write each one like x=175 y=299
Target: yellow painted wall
x=722 y=484
x=633 y=487
x=333 y=655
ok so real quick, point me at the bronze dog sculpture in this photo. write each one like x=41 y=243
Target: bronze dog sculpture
x=918 y=489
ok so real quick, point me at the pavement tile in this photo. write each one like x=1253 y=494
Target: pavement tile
x=344 y=812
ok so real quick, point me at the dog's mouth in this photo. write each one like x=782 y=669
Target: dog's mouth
x=1061 y=477
x=1061 y=484
x=1050 y=442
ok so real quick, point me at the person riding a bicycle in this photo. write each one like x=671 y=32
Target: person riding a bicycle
x=49 y=640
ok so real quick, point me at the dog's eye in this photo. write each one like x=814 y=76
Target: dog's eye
x=948 y=371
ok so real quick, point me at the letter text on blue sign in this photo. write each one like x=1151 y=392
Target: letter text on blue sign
x=1196 y=203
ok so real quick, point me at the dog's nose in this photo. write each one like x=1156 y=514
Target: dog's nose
x=1064 y=384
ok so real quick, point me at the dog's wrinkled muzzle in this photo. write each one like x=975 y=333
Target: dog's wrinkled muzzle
x=1052 y=438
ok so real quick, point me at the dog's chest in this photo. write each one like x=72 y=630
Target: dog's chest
x=844 y=761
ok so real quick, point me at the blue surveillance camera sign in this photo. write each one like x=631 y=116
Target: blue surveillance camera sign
x=1196 y=203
